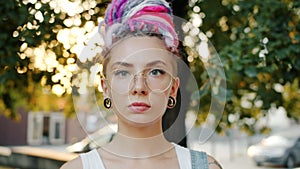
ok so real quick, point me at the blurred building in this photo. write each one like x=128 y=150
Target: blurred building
x=40 y=128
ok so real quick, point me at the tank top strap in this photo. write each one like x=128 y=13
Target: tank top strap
x=183 y=156
x=91 y=160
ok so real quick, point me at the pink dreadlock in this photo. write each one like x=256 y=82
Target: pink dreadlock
x=124 y=17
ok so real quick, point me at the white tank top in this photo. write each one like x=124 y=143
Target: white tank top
x=92 y=159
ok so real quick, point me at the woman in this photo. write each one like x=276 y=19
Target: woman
x=139 y=83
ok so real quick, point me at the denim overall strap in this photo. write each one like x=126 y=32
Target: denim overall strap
x=199 y=160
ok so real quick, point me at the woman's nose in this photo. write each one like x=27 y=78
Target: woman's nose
x=139 y=85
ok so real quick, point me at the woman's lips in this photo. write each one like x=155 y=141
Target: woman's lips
x=139 y=107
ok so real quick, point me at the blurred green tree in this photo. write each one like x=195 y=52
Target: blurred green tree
x=31 y=54
x=259 y=45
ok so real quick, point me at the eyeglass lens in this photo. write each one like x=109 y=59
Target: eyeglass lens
x=157 y=80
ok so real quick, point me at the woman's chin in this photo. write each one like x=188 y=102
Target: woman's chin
x=141 y=120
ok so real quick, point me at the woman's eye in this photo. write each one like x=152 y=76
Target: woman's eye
x=156 y=72
x=121 y=73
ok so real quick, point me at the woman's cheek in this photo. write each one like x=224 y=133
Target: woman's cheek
x=158 y=102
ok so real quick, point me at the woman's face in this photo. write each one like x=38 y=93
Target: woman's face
x=140 y=79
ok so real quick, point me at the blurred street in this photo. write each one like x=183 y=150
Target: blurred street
x=231 y=153
x=232 y=156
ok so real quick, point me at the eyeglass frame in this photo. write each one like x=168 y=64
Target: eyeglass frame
x=173 y=78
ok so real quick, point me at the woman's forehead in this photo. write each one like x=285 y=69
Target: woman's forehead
x=131 y=45
x=140 y=55
x=140 y=62
x=140 y=50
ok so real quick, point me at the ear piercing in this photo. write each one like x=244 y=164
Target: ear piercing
x=107 y=103
x=171 y=102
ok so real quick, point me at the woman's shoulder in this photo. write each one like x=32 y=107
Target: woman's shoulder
x=213 y=163
x=86 y=160
x=73 y=164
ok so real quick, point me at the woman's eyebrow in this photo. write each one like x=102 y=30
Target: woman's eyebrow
x=157 y=62
x=125 y=64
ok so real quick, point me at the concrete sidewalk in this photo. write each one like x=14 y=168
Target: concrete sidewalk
x=46 y=157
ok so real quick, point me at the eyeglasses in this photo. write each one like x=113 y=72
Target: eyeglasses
x=157 y=80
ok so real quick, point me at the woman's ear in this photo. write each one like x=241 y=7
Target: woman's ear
x=104 y=87
x=175 y=87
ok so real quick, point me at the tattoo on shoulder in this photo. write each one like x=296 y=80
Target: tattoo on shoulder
x=215 y=163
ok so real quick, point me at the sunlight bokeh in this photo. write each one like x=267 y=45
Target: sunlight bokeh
x=76 y=38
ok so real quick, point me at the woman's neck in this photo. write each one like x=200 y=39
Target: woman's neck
x=140 y=131
x=139 y=142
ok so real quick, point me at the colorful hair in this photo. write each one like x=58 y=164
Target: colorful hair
x=125 y=17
